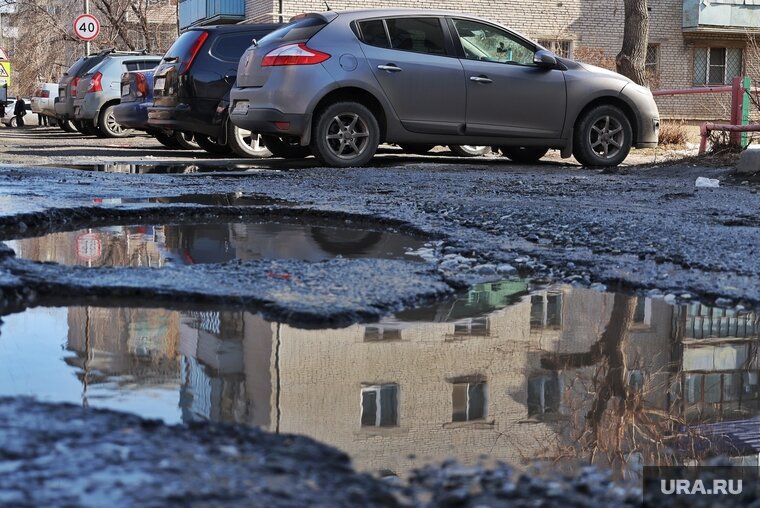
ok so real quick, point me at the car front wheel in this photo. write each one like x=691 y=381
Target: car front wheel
x=602 y=137
x=345 y=134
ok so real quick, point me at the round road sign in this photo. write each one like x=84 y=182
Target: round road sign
x=86 y=27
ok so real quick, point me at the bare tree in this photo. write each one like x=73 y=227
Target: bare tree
x=632 y=57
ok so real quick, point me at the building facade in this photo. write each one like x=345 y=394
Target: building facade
x=691 y=42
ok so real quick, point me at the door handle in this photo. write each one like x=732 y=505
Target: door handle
x=481 y=79
x=389 y=68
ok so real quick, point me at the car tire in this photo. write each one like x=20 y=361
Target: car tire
x=285 y=148
x=602 y=137
x=168 y=140
x=523 y=154
x=345 y=134
x=66 y=125
x=13 y=122
x=186 y=140
x=246 y=143
x=109 y=127
x=469 y=150
x=212 y=145
x=416 y=148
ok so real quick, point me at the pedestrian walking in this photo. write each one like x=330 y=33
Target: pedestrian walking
x=19 y=110
x=42 y=120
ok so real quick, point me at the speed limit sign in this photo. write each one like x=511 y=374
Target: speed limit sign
x=86 y=27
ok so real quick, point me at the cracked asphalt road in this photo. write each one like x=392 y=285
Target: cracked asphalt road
x=642 y=227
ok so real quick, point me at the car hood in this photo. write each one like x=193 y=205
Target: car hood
x=604 y=72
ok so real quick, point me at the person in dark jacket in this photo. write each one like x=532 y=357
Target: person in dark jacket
x=19 y=110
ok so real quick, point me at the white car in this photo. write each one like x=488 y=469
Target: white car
x=9 y=119
x=43 y=101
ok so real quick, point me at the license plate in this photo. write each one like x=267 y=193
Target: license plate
x=241 y=108
x=159 y=84
x=125 y=90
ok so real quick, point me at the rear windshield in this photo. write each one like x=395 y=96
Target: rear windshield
x=299 y=30
x=183 y=44
x=83 y=65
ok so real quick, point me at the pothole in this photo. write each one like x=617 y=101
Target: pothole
x=158 y=245
x=220 y=199
x=505 y=370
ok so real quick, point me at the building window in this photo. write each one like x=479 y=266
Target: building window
x=717 y=66
x=652 y=62
x=544 y=393
x=380 y=405
x=561 y=48
x=381 y=334
x=469 y=401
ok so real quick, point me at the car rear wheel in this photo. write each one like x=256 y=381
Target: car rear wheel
x=345 y=134
x=13 y=122
x=66 y=125
x=287 y=148
x=85 y=127
x=165 y=139
x=109 y=127
x=602 y=137
x=469 y=150
x=416 y=148
x=186 y=140
x=212 y=145
x=245 y=143
x=523 y=154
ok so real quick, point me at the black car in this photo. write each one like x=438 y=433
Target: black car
x=191 y=87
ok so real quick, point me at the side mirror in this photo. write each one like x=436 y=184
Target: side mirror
x=545 y=59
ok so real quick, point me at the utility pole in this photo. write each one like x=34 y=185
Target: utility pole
x=86 y=43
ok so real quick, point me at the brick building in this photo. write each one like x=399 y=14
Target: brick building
x=691 y=42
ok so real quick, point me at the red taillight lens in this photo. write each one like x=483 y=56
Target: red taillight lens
x=294 y=54
x=45 y=94
x=141 y=85
x=95 y=85
x=74 y=83
x=193 y=52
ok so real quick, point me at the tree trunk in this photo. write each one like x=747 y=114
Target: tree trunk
x=630 y=61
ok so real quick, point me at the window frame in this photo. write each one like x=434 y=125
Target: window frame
x=448 y=43
x=460 y=49
x=553 y=43
x=705 y=80
x=377 y=388
x=467 y=385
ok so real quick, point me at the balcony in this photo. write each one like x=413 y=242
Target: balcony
x=210 y=12
x=721 y=16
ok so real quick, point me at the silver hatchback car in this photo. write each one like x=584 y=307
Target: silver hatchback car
x=342 y=82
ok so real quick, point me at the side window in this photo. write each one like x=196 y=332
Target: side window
x=421 y=35
x=148 y=64
x=487 y=43
x=132 y=66
x=230 y=48
x=373 y=33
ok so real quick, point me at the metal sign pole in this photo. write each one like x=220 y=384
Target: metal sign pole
x=86 y=43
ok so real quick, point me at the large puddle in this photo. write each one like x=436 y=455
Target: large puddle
x=183 y=244
x=506 y=371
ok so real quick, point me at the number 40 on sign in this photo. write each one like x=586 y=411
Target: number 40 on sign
x=86 y=27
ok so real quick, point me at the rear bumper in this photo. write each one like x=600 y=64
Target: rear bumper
x=132 y=115
x=269 y=121
x=88 y=107
x=64 y=109
x=196 y=116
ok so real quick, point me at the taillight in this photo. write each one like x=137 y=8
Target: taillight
x=95 y=83
x=74 y=83
x=194 y=50
x=141 y=85
x=45 y=94
x=294 y=54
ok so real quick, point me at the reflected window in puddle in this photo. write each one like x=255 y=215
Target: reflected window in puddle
x=544 y=394
x=472 y=327
x=636 y=380
x=546 y=310
x=469 y=401
x=380 y=405
x=381 y=334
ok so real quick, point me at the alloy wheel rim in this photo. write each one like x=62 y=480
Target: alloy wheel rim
x=606 y=137
x=473 y=148
x=112 y=125
x=347 y=136
x=247 y=138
